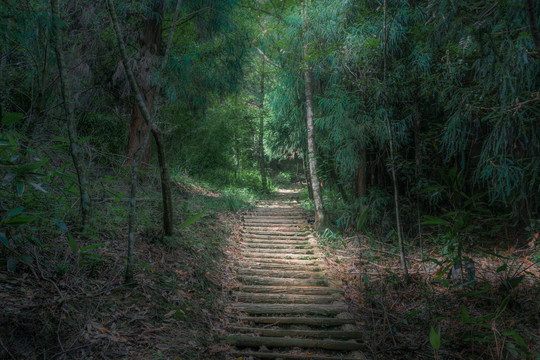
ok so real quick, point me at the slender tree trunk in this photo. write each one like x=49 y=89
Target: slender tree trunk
x=3 y=88
x=418 y=170
x=168 y=215
x=262 y=165
x=165 y=182
x=308 y=87
x=392 y=159
x=76 y=152
x=138 y=155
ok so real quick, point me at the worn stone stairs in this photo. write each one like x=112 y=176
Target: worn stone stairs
x=288 y=305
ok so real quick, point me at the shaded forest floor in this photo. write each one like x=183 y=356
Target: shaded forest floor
x=75 y=305
x=495 y=317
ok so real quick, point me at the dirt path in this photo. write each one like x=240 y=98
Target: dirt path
x=288 y=305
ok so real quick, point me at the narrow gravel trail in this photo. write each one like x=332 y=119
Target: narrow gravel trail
x=288 y=305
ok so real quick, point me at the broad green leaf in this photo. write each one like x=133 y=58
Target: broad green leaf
x=62 y=225
x=191 y=220
x=91 y=247
x=27 y=168
x=61 y=139
x=19 y=220
x=362 y=220
x=485 y=289
x=465 y=315
x=72 y=244
x=15 y=212
x=433 y=220
x=503 y=267
x=11 y=118
x=20 y=189
x=435 y=338
x=503 y=304
x=517 y=338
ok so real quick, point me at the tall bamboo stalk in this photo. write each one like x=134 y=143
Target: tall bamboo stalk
x=312 y=159
x=262 y=165
x=392 y=158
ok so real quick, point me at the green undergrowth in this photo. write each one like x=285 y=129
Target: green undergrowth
x=66 y=285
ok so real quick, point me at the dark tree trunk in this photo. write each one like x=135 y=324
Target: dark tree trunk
x=165 y=182
x=151 y=45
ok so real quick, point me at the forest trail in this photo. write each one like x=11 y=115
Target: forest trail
x=288 y=305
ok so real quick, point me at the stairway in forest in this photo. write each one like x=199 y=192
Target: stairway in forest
x=288 y=305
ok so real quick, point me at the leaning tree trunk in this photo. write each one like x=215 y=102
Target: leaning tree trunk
x=151 y=43
x=308 y=87
x=392 y=158
x=262 y=165
x=75 y=149
x=139 y=153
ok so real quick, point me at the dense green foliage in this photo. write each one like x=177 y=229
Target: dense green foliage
x=462 y=96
